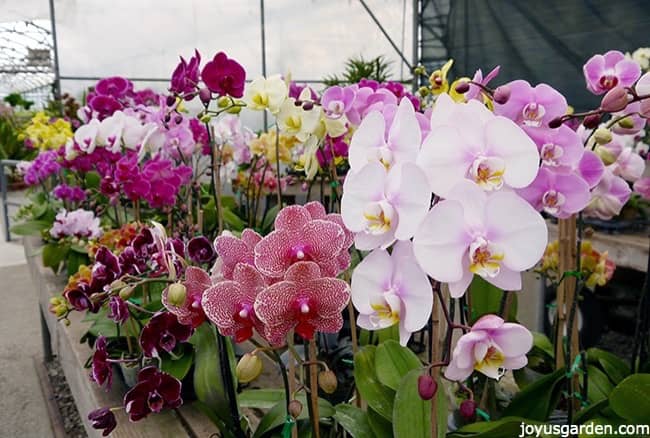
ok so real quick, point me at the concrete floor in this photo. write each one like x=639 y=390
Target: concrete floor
x=23 y=412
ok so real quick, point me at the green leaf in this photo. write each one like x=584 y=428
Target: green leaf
x=599 y=386
x=277 y=415
x=525 y=376
x=270 y=218
x=101 y=325
x=54 y=254
x=353 y=420
x=260 y=398
x=393 y=362
x=591 y=411
x=378 y=396
x=74 y=260
x=380 y=426
x=542 y=343
x=506 y=427
x=631 y=398
x=442 y=409
x=178 y=367
x=411 y=414
x=232 y=220
x=29 y=228
x=229 y=202
x=92 y=180
x=538 y=399
x=486 y=298
x=208 y=383
x=615 y=368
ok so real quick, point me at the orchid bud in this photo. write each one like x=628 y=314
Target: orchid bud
x=423 y=91
x=308 y=106
x=606 y=155
x=327 y=381
x=234 y=109
x=223 y=102
x=626 y=123
x=126 y=292
x=420 y=70
x=205 y=95
x=176 y=294
x=615 y=100
x=602 y=136
x=555 y=123
x=295 y=408
x=167 y=118
x=462 y=87
x=248 y=368
x=468 y=410
x=427 y=387
x=205 y=118
x=501 y=94
x=118 y=284
x=171 y=100
x=591 y=121
x=178 y=119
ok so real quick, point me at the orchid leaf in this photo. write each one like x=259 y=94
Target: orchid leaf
x=631 y=398
x=393 y=362
x=411 y=414
x=353 y=420
x=378 y=396
x=538 y=399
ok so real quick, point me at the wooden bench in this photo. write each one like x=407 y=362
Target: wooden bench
x=63 y=341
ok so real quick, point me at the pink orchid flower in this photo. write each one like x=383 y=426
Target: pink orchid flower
x=336 y=101
x=317 y=211
x=190 y=312
x=229 y=304
x=604 y=72
x=559 y=148
x=302 y=301
x=232 y=250
x=467 y=141
x=608 y=197
x=475 y=92
x=632 y=123
x=298 y=237
x=642 y=187
x=495 y=236
x=590 y=168
x=390 y=289
x=628 y=165
x=560 y=195
x=490 y=347
x=532 y=106
x=381 y=207
x=370 y=144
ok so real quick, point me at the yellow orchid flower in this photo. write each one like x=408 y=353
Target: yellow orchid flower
x=438 y=79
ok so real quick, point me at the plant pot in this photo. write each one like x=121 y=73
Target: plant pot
x=129 y=373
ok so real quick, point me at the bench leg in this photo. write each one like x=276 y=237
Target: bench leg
x=45 y=336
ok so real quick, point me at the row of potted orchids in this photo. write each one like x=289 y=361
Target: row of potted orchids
x=182 y=251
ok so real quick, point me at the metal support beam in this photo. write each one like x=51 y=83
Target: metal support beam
x=55 y=47
x=263 y=38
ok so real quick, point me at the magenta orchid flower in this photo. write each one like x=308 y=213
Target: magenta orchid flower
x=560 y=195
x=336 y=101
x=381 y=207
x=467 y=141
x=490 y=347
x=604 y=72
x=401 y=144
x=608 y=197
x=297 y=237
x=532 y=106
x=303 y=301
x=229 y=304
x=190 y=312
x=468 y=233
x=476 y=92
x=232 y=250
x=389 y=289
x=590 y=168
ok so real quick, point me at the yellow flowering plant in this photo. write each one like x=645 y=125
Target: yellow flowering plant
x=44 y=132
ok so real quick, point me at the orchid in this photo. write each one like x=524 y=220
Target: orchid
x=266 y=93
x=371 y=144
x=604 y=72
x=189 y=311
x=78 y=223
x=337 y=101
x=162 y=333
x=298 y=120
x=642 y=187
x=490 y=347
x=232 y=250
x=155 y=391
x=467 y=141
x=560 y=195
x=495 y=237
x=390 y=289
x=532 y=106
x=224 y=76
x=438 y=79
x=303 y=301
x=381 y=207
x=608 y=197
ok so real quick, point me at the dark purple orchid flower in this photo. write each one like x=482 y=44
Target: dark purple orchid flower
x=118 y=310
x=101 y=371
x=201 y=250
x=116 y=86
x=103 y=418
x=163 y=332
x=155 y=391
x=105 y=270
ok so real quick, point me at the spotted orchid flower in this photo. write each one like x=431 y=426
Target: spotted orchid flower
x=370 y=144
x=229 y=304
x=532 y=106
x=490 y=347
x=190 y=312
x=495 y=237
x=604 y=72
x=232 y=250
x=297 y=237
x=389 y=289
x=304 y=302
x=467 y=141
x=317 y=211
x=560 y=195
x=381 y=207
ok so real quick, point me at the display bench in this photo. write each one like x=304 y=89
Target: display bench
x=63 y=341
x=626 y=250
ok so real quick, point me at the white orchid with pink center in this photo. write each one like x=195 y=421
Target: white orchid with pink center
x=467 y=141
x=389 y=289
x=381 y=207
x=490 y=347
x=495 y=237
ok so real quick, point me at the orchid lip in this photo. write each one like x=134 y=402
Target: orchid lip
x=552 y=201
x=485 y=258
x=379 y=217
x=487 y=172
x=550 y=154
x=533 y=113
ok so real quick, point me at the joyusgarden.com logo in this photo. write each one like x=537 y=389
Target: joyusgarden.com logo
x=567 y=430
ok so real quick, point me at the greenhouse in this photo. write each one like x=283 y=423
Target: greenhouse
x=325 y=218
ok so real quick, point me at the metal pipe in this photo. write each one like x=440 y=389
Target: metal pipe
x=55 y=47
x=263 y=38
